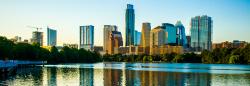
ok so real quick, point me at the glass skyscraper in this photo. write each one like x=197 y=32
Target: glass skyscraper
x=51 y=37
x=137 y=38
x=181 y=35
x=87 y=37
x=130 y=25
x=201 y=33
x=171 y=31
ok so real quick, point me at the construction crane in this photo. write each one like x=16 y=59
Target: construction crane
x=37 y=28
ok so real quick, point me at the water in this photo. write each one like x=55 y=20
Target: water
x=130 y=74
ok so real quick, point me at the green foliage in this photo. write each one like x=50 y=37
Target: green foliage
x=5 y=48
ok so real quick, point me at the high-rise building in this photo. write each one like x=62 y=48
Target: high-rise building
x=181 y=35
x=130 y=25
x=157 y=38
x=116 y=42
x=201 y=33
x=87 y=37
x=145 y=34
x=106 y=36
x=111 y=38
x=171 y=30
x=51 y=37
x=37 y=37
x=137 y=38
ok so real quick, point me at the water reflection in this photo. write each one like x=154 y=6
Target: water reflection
x=101 y=76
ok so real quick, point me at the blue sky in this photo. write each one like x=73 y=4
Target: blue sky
x=231 y=18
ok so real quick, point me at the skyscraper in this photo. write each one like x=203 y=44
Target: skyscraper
x=87 y=37
x=145 y=34
x=37 y=37
x=51 y=37
x=181 y=35
x=137 y=38
x=157 y=38
x=130 y=25
x=107 y=31
x=201 y=33
x=171 y=30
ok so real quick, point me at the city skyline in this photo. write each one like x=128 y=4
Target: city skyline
x=232 y=16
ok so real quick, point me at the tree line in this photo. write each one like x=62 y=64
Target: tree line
x=33 y=52
x=216 y=56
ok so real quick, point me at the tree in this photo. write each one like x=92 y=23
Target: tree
x=5 y=48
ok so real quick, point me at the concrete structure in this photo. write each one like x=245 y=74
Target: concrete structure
x=157 y=37
x=87 y=37
x=51 y=37
x=37 y=37
x=166 y=49
x=201 y=33
x=107 y=31
x=129 y=25
x=226 y=44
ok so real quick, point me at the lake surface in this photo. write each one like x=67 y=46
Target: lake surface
x=130 y=74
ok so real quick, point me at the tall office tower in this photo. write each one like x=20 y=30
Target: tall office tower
x=130 y=25
x=171 y=30
x=157 y=37
x=51 y=37
x=181 y=35
x=115 y=42
x=145 y=34
x=137 y=38
x=87 y=37
x=106 y=36
x=201 y=33
x=37 y=37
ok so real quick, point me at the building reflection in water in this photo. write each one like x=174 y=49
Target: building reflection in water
x=125 y=76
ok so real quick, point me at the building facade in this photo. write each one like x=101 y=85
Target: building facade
x=201 y=33
x=137 y=38
x=107 y=31
x=129 y=25
x=51 y=37
x=157 y=38
x=37 y=37
x=181 y=35
x=145 y=34
x=171 y=30
x=87 y=37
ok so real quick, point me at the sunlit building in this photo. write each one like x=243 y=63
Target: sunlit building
x=87 y=37
x=129 y=25
x=201 y=33
x=51 y=37
x=107 y=31
x=71 y=45
x=112 y=39
x=157 y=37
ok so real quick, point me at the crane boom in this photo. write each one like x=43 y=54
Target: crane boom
x=37 y=28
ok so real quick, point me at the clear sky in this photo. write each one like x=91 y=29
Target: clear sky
x=231 y=18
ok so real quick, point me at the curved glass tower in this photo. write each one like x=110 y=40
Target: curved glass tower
x=130 y=25
x=181 y=35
